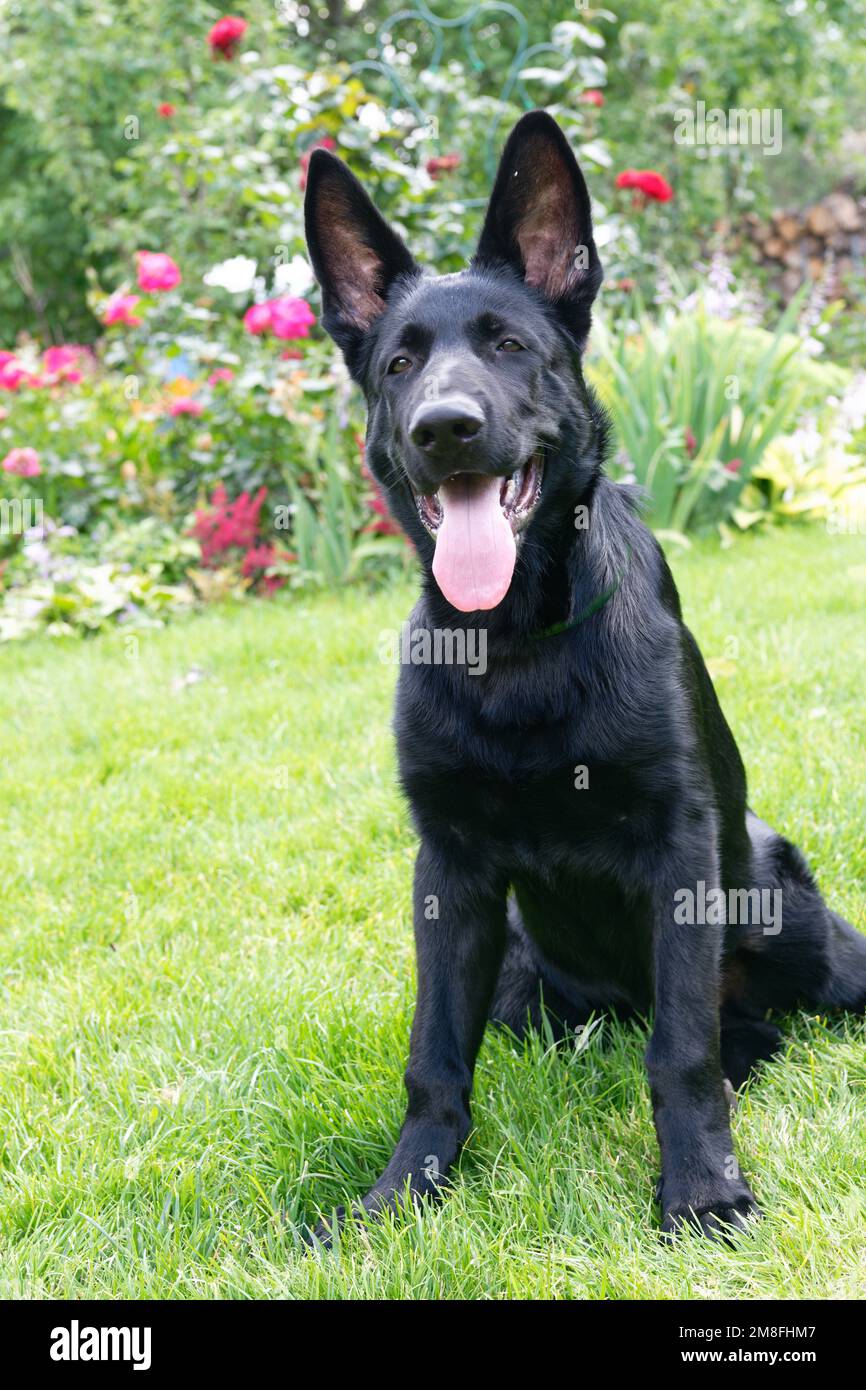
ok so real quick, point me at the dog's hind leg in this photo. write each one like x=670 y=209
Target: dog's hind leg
x=745 y=1041
x=808 y=957
x=845 y=985
x=526 y=989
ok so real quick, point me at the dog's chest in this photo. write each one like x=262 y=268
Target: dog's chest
x=556 y=792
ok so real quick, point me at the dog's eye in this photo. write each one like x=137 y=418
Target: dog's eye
x=398 y=365
x=510 y=345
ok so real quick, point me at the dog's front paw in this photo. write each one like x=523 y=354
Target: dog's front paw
x=377 y=1201
x=722 y=1216
x=324 y=1231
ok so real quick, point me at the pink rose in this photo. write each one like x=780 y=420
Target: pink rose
x=22 y=462
x=257 y=319
x=156 y=271
x=121 y=309
x=62 y=362
x=12 y=374
x=291 y=318
x=221 y=374
x=185 y=405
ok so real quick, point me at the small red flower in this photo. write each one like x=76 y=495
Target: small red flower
x=592 y=97
x=441 y=164
x=228 y=525
x=733 y=465
x=259 y=559
x=646 y=181
x=166 y=109
x=226 y=34
x=691 y=443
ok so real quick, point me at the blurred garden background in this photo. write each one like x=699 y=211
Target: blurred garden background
x=174 y=428
x=206 y=949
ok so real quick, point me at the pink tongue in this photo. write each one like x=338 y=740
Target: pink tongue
x=475 y=549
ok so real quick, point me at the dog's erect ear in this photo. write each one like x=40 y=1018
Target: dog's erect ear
x=355 y=254
x=538 y=220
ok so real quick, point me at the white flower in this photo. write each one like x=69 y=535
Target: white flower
x=235 y=275
x=373 y=118
x=293 y=278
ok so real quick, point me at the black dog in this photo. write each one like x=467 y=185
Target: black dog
x=581 y=805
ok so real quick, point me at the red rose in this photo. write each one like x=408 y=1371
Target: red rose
x=226 y=34
x=647 y=182
x=441 y=164
x=166 y=109
x=592 y=97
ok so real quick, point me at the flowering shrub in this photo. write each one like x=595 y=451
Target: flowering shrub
x=229 y=532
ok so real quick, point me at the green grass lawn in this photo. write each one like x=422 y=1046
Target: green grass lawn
x=208 y=979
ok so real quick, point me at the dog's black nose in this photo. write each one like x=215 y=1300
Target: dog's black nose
x=438 y=425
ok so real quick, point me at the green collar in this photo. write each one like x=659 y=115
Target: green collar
x=589 y=611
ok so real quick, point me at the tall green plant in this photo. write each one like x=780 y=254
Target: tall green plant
x=695 y=401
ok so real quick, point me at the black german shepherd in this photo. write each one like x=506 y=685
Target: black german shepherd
x=581 y=805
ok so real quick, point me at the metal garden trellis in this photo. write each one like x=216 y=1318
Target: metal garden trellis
x=464 y=28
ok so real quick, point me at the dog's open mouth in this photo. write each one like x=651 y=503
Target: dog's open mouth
x=519 y=496
x=476 y=521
